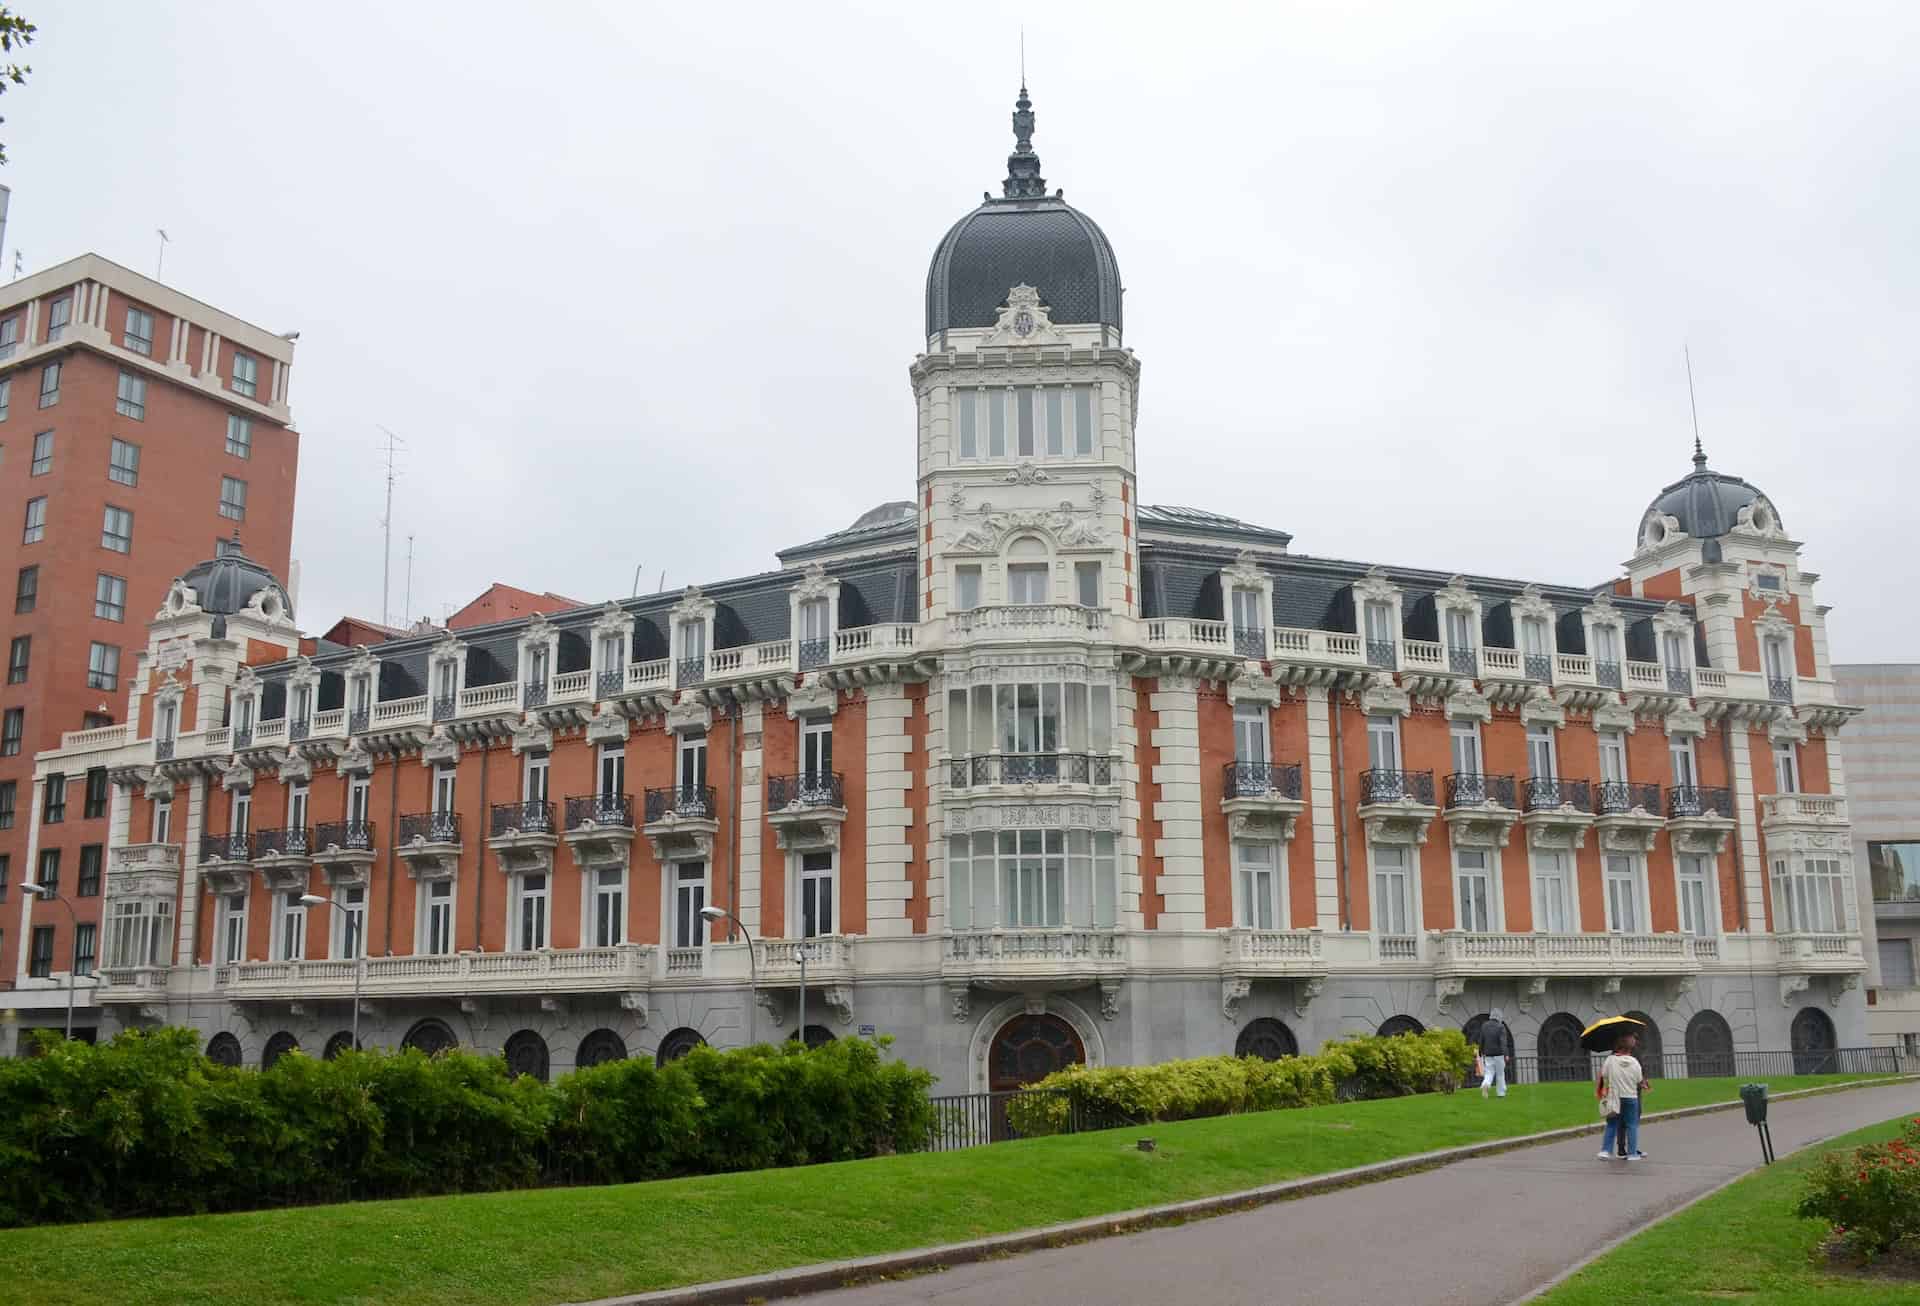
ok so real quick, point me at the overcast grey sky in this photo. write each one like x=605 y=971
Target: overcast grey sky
x=639 y=285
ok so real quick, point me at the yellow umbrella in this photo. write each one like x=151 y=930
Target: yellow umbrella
x=1599 y=1036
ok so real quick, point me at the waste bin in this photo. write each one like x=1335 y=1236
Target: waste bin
x=1754 y=1096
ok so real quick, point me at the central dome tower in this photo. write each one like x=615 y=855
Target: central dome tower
x=1024 y=237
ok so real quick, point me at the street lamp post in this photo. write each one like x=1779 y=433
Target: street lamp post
x=753 y=967
x=44 y=894
x=359 y=959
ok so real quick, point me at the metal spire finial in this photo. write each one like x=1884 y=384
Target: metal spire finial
x=1023 y=165
x=1699 y=454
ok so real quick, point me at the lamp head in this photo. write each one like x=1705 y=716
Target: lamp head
x=713 y=913
x=36 y=888
x=312 y=900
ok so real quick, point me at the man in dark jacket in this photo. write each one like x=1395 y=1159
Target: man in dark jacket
x=1495 y=1046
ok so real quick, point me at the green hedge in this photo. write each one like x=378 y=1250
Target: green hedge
x=146 y=1125
x=1353 y=1068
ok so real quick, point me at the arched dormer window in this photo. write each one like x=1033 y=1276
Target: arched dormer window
x=446 y=676
x=1029 y=571
x=612 y=636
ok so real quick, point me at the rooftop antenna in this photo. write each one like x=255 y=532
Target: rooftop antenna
x=1699 y=454
x=406 y=609
x=161 y=262
x=16 y=265
x=663 y=582
x=1023 y=56
x=386 y=524
x=636 y=579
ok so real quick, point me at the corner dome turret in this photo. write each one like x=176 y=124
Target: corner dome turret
x=1023 y=237
x=232 y=583
x=1707 y=505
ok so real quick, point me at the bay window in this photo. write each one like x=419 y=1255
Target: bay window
x=1039 y=879
x=1031 y=724
x=1811 y=895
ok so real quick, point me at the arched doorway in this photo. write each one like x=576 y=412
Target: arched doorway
x=430 y=1036
x=1709 y=1046
x=818 y=1036
x=1562 y=1059
x=677 y=1044
x=1813 y=1042
x=1649 y=1052
x=1030 y=1047
x=1395 y=1026
x=600 y=1047
x=1267 y=1039
x=526 y=1054
x=223 y=1049
x=278 y=1046
x=337 y=1044
x=1471 y=1030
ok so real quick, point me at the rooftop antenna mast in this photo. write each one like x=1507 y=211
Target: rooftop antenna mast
x=159 y=264
x=386 y=524
x=406 y=612
x=1699 y=454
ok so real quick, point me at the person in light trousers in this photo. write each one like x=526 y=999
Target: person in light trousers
x=1496 y=1047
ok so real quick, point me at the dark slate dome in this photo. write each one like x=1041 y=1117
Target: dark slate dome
x=226 y=584
x=1025 y=237
x=1707 y=505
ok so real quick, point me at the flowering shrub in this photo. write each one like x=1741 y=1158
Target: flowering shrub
x=1871 y=1195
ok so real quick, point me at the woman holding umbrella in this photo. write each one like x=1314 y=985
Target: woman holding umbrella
x=1620 y=1084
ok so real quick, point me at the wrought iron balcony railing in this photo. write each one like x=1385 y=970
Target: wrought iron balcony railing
x=293 y=841
x=814 y=653
x=226 y=847
x=1259 y=779
x=299 y=728
x=350 y=836
x=689 y=671
x=430 y=827
x=1700 y=800
x=1614 y=796
x=1463 y=661
x=609 y=684
x=1250 y=643
x=1679 y=680
x=534 y=693
x=1545 y=793
x=1606 y=674
x=1380 y=653
x=1539 y=666
x=693 y=802
x=601 y=810
x=808 y=789
x=443 y=707
x=1032 y=768
x=243 y=736
x=163 y=750
x=357 y=721
x=1382 y=786
x=534 y=816
x=1473 y=789
x=1780 y=688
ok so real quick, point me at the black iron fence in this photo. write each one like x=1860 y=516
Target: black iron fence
x=1380 y=653
x=1472 y=789
x=292 y=841
x=1700 y=800
x=226 y=847
x=1379 y=786
x=1610 y=796
x=1606 y=674
x=535 y=816
x=1258 y=779
x=353 y=836
x=600 y=809
x=971 y=1119
x=1031 y=768
x=1544 y=793
x=807 y=789
x=686 y=801
x=430 y=827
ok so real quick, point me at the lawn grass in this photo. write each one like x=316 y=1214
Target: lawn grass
x=1743 y=1244
x=534 y=1248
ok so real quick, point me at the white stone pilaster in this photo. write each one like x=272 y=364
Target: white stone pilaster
x=1326 y=869
x=188 y=920
x=753 y=790
x=1748 y=822
x=1182 y=885
x=888 y=852
x=1127 y=735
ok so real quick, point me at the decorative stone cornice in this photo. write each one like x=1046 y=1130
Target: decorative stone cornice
x=1466 y=704
x=1381 y=698
x=1686 y=722
x=531 y=735
x=1251 y=685
x=1540 y=708
x=815 y=698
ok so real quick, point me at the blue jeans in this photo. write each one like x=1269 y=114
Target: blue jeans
x=1629 y=1120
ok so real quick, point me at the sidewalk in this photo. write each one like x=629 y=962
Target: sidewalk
x=1478 y=1232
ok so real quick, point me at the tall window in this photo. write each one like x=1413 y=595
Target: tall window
x=613 y=770
x=166 y=720
x=1246 y=611
x=1686 y=771
x=1027 y=582
x=1552 y=891
x=103 y=666
x=53 y=804
x=89 y=880
x=35 y=528
x=693 y=647
x=966 y=587
x=1810 y=897
x=1623 y=894
x=246 y=373
x=692 y=769
x=1460 y=630
x=163 y=820
x=1392 y=892
x=9 y=791
x=240 y=811
x=813 y=622
x=50 y=385
x=967 y=421
x=1383 y=742
x=989 y=872
x=13 y=727
x=42 y=454
x=59 y=315
x=49 y=877
x=232 y=929
x=1606 y=646
x=533 y=776
x=116 y=530
x=689 y=899
x=1779 y=661
x=85 y=947
x=1613 y=757
x=297 y=807
x=26 y=589
x=1536 y=643
x=40 y=957
x=6 y=396
x=96 y=804
x=1030 y=717
x=350 y=923
x=816 y=751
x=233 y=498
x=609 y=907
x=130 y=399
x=19 y=659
x=1048 y=420
x=289 y=927
x=123 y=463
x=302 y=703
x=1379 y=627
x=1691 y=870
x=110 y=597
x=239 y=435
x=531 y=894
x=1250 y=733
x=1259 y=885
x=139 y=333
x=816 y=894
x=1786 y=767
x=359 y=799
x=1465 y=737
x=535 y=659
x=1086 y=584
x=443 y=785
x=1540 y=753
x=1473 y=876
x=9 y=337
x=436 y=930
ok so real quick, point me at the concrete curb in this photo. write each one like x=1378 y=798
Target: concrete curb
x=839 y=1274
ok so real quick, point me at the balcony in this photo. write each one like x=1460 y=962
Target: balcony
x=1428 y=668
x=430 y=844
x=1020 y=621
x=1016 y=959
x=1557 y=813
x=1030 y=769
x=1271 y=954
x=1397 y=806
x=1699 y=800
x=283 y=857
x=1472 y=789
x=1381 y=786
x=344 y=850
x=1250 y=643
x=1612 y=797
x=829 y=969
x=813 y=654
x=1802 y=809
x=1657 y=690
x=600 y=828
x=1296 y=655
x=522 y=836
x=626 y=967
x=1481 y=809
x=1261 y=799
x=681 y=822
x=1628 y=815
x=399 y=724
x=1823 y=954
x=1483 y=955
x=807 y=810
x=690 y=671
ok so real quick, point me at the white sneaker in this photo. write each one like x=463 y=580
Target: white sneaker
x=1638 y=1156
x=1604 y=1156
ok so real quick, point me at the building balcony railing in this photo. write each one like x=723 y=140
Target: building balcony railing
x=1679 y=680
x=1802 y=809
x=1271 y=953
x=1463 y=661
x=430 y=827
x=1502 y=663
x=292 y=841
x=1031 y=618
x=1606 y=674
x=1383 y=786
x=690 y=671
x=814 y=653
x=1250 y=643
x=627 y=966
x=600 y=810
x=1466 y=952
x=533 y=693
x=226 y=848
x=1474 y=789
x=1259 y=779
x=1040 y=956
x=1644 y=676
x=1380 y=653
x=1543 y=793
x=807 y=789
x=1031 y=768
x=1780 y=688
x=1700 y=800
x=444 y=706
x=1836 y=953
x=163 y=750
x=687 y=802
x=1537 y=666
x=1611 y=797
x=534 y=816
x=348 y=836
x=829 y=959
x=358 y=720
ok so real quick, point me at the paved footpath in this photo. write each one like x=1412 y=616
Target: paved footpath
x=1478 y=1233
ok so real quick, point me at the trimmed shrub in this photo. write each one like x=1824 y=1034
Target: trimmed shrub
x=1870 y=1196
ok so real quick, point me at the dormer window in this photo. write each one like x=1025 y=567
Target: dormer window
x=814 y=636
x=1678 y=659
x=362 y=703
x=1460 y=641
x=302 y=703
x=537 y=665
x=1382 y=641
x=1778 y=659
x=1606 y=655
x=1249 y=640
x=693 y=652
x=1536 y=646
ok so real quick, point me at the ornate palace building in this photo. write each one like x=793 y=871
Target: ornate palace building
x=1023 y=769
